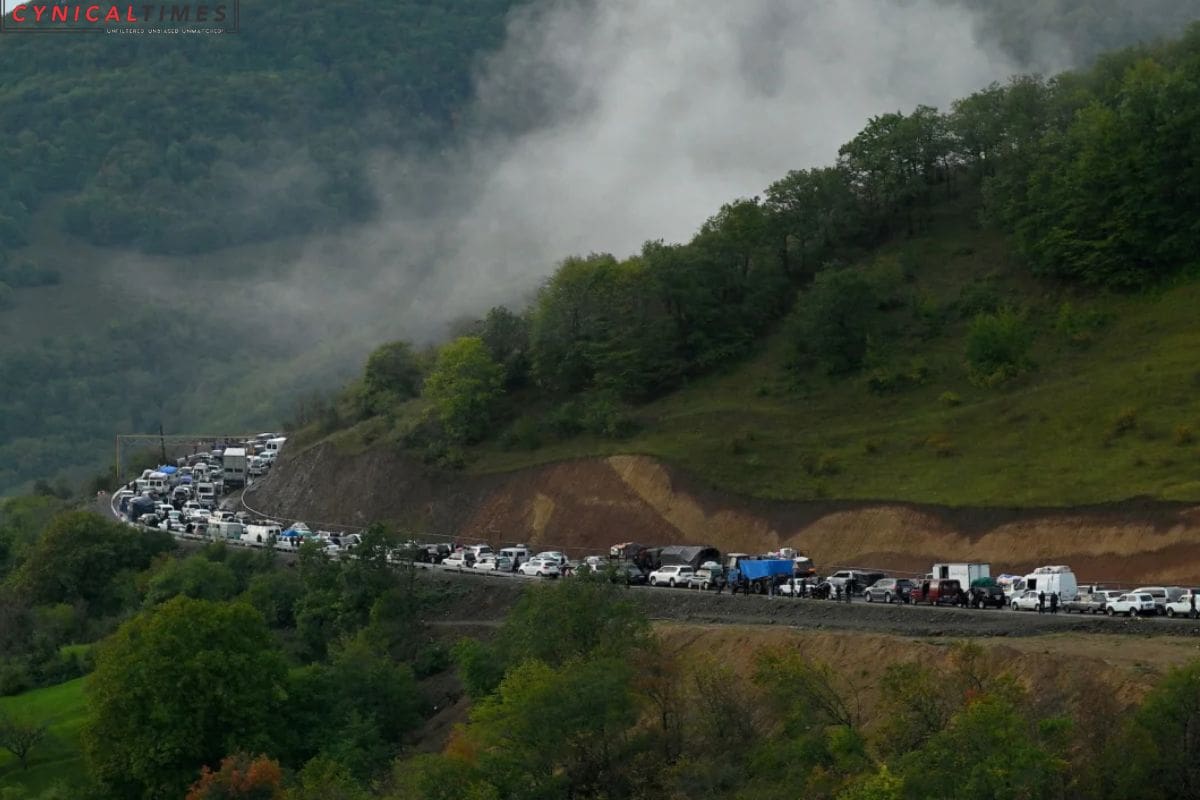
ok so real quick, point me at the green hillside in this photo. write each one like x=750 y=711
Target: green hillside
x=1109 y=412
x=58 y=759
x=990 y=305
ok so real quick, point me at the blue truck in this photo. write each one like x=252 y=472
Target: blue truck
x=760 y=573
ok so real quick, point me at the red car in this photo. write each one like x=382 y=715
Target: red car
x=937 y=592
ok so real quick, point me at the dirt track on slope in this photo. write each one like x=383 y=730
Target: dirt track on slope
x=587 y=505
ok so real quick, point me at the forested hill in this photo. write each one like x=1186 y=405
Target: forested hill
x=171 y=144
x=991 y=305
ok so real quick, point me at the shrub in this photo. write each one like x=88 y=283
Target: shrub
x=931 y=315
x=524 y=434
x=951 y=399
x=829 y=464
x=978 y=298
x=566 y=420
x=740 y=444
x=824 y=464
x=998 y=347
x=885 y=381
x=872 y=446
x=1184 y=435
x=604 y=415
x=1079 y=326
x=942 y=445
x=1124 y=422
x=599 y=413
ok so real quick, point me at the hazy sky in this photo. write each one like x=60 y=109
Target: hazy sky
x=651 y=114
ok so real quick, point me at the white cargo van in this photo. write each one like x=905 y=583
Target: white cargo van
x=965 y=573
x=225 y=529
x=260 y=535
x=1059 y=580
x=275 y=445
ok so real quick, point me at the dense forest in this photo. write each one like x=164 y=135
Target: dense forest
x=259 y=135
x=1092 y=176
x=229 y=674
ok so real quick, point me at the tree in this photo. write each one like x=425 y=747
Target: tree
x=992 y=750
x=21 y=737
x=465 y=385
x=814 y=209
x=177 y=688
x=550 y=731
x=835 y=321
x=1138 y=765
x=79 y=556
x=240 y=777
x=506 y=336
x=195 y=577
x=393 y=373
x=325 y=779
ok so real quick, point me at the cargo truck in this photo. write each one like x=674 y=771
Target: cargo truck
x=760 y=573
x=233 y=465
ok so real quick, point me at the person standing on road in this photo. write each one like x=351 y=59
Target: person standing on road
x=1054 y=602
x=850 y=589
x=720 y=581
x=1192 y=604
x=1041 y=602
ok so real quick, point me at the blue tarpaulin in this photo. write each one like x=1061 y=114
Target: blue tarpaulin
x=167 y=470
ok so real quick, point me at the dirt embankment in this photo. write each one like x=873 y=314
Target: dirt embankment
x=587 y=505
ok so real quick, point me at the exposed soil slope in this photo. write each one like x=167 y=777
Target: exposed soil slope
x=585 y=506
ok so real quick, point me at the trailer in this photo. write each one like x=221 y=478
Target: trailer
x=966 y=573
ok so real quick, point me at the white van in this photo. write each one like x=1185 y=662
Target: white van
x=225 y=529
x=1059 y=580
x=518 y=554
x=260 y=535
x=275 y=445
x=206 y=495
x=157 y=482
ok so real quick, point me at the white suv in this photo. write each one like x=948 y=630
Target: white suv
x=1134 y=603
x=540 y=568
x=671 y=576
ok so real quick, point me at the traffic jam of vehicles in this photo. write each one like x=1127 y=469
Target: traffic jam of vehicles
x=185 y=499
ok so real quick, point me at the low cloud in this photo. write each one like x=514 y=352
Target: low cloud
x=648 y=115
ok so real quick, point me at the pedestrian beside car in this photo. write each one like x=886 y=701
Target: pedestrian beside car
x=1041 y=602
x=1192 y=604
x=1054 y=602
